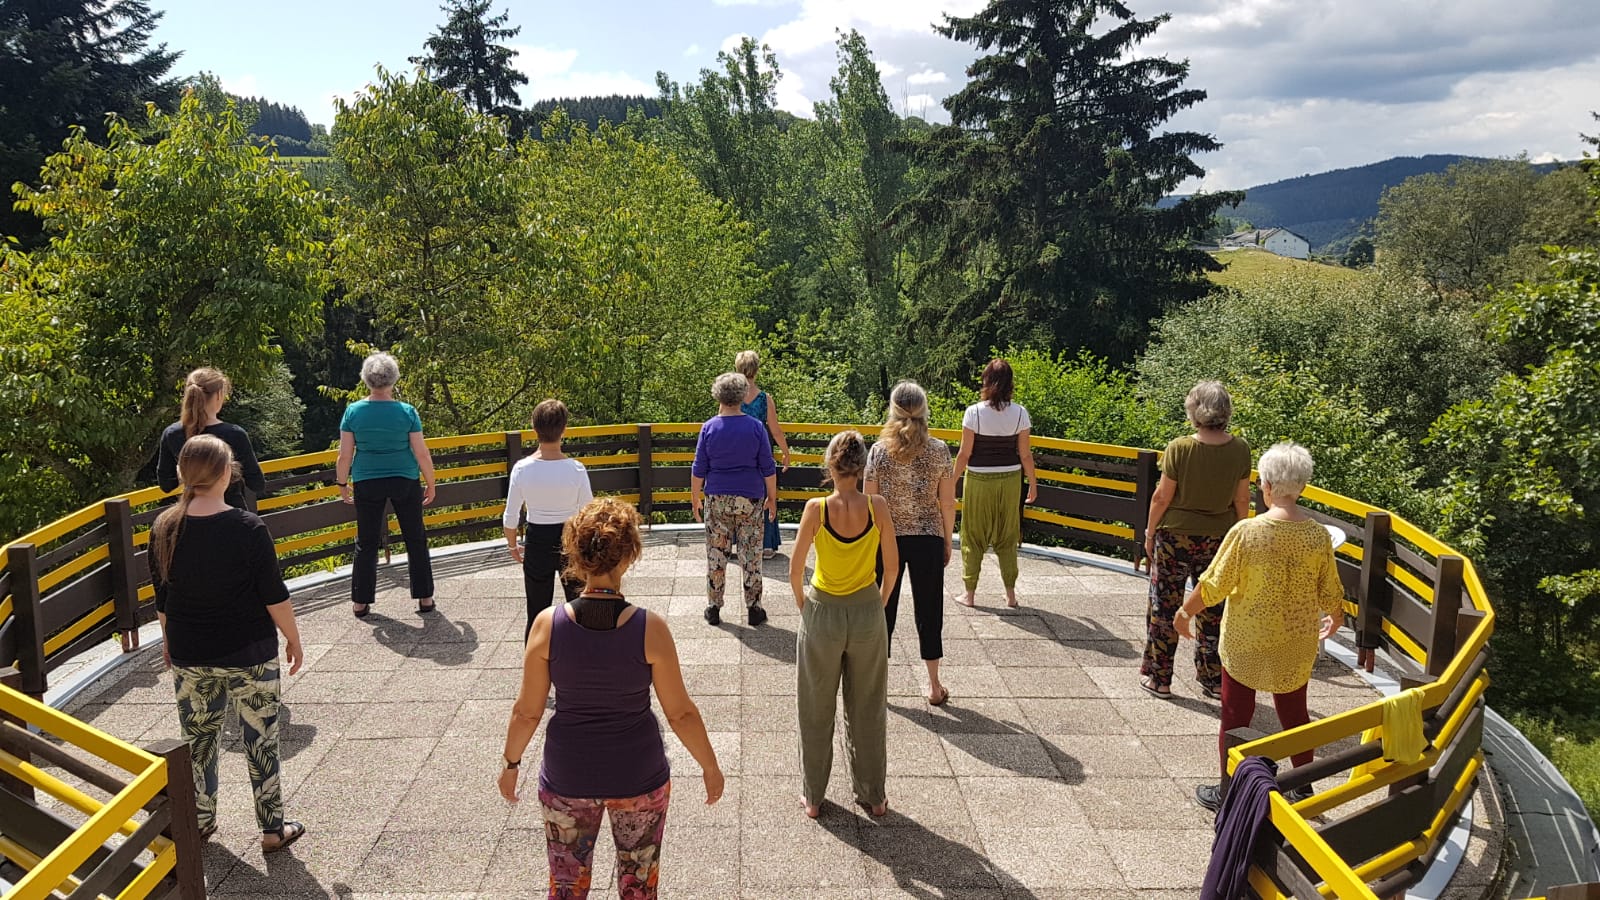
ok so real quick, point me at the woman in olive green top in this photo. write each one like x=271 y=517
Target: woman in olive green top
x=1204 y=489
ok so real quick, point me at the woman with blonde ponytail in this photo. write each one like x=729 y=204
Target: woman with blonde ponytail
x=221 y=601
x=204 y=393
x=912 y=470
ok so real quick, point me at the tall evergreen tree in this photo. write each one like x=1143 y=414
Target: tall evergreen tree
x=1043 y=191
x=65 y=63
x=466 y=56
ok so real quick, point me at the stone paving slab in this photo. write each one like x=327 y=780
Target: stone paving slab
x=1049 y=775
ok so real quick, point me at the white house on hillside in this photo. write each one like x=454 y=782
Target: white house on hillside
x=1281 y=241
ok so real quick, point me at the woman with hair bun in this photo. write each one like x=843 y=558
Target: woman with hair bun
x=221 y=601
x=911 y=469
x=204 y=393
x=843 y=637
x=603 y=751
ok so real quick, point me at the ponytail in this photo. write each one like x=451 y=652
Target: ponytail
x=204 y=461
x=198 y=389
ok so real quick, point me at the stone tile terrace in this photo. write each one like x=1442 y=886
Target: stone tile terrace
x=1050 y=774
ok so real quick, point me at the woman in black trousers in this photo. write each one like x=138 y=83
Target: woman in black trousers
x=546 y=488
x=912 y=470
x=381 y=456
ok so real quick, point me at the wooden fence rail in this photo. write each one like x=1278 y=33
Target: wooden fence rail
x=82 y=579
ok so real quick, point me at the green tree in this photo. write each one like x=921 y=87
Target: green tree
x=165 y=254
x=467 y=56
x=66 y=63
x=647 y=278
x=1360 y=254
x=429 y=237
x=1455 y=229
x=1043 y=190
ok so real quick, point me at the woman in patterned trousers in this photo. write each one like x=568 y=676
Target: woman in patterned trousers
x=222 y=601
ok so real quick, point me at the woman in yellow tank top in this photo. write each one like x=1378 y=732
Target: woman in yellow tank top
x=843 y=638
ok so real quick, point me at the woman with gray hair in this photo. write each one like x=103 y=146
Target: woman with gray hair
x=381 y=455
x=733 y=480
x=1278 y=576
x=1204 y=489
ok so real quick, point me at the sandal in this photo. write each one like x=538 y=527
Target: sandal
x=431 y=607
x=361 y=610
x=287 y=835
x=944 y=695
x=1151 y=689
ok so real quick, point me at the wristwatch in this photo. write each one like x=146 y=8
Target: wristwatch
x=510 y=764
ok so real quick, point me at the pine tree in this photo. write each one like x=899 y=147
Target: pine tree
x=65 y=63
x=1043 y=190
x=465 y=56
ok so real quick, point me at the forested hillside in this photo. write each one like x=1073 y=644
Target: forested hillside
x=591 y=111
x=1330 y=209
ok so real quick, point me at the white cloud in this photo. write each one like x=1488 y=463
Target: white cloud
x=927 y=76
x=923 y=106
x=691 y=50
x=732 y=41
x=242 y=85
x=551 y=74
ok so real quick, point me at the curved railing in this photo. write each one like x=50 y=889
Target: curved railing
x=82 y=579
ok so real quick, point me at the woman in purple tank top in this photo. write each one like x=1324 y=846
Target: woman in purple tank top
x=603 y=750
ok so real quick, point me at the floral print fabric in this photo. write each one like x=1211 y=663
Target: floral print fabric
x=204 y=695
x=1178 y=559
x=571 y=826
x=731 y=521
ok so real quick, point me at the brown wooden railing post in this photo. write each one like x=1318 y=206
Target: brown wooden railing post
x=513 y=450
x=12 y=678
x=647 y=479
x=124 y=577
x=1447 y=592
x=22 y=561
x=1146 y=476
x=189 y=871
x=1375 y=598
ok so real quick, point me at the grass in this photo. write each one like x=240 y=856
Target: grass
x=1575 y=751
x=1246 y=267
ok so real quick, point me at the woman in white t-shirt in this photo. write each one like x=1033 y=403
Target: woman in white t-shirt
x=994 y=458
x=551 y=486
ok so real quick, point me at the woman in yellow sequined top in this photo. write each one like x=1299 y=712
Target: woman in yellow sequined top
x=1277 y=574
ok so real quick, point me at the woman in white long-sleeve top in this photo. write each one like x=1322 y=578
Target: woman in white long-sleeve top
x=551 y=487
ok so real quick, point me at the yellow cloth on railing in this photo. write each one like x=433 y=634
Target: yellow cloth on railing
x=1401 y=731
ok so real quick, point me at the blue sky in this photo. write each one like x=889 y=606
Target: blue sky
x=1295 y=87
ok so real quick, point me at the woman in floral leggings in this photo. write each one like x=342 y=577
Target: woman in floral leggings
x=603 y=752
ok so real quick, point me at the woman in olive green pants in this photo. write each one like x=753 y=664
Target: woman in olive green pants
x=843 y=635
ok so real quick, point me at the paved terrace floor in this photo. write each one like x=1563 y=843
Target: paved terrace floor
x=1050 y=774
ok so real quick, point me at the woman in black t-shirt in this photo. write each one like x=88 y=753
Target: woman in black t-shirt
x=221 y=600
x=204 y=393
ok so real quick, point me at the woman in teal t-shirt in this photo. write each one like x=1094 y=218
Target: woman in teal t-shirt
x=381 y=455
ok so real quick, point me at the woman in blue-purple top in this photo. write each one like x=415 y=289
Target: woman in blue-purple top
x=733 y=481
x=603 y=752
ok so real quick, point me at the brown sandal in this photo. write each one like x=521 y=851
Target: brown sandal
x=287 y=835
x=944 y=696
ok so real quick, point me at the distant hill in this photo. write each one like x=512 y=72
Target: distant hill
x=1330 y=208
x=590 y=110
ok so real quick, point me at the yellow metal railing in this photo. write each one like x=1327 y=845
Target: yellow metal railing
x=147 y=778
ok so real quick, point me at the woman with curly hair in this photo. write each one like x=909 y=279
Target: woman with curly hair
x=603 y=752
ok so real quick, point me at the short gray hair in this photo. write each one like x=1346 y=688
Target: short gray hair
x=1287 y=467
x=729 y=388
x=1208 y=405
x=380 y=371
